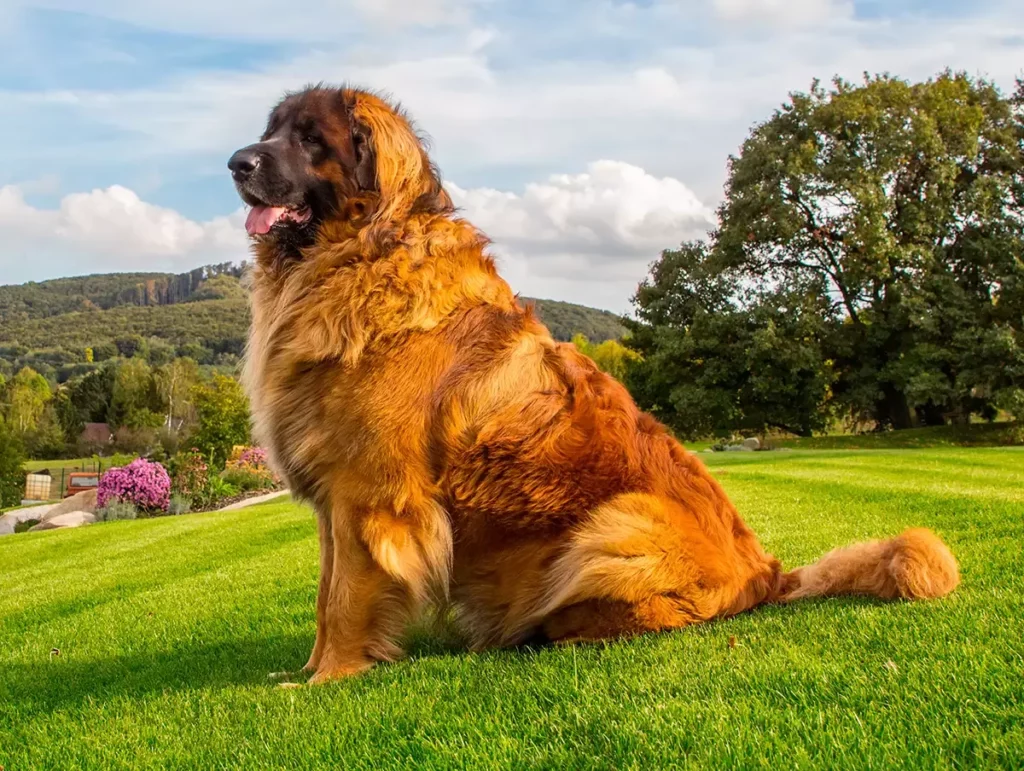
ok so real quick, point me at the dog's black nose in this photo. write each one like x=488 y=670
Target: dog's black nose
x=243 y=163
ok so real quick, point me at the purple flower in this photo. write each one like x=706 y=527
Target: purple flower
x=142 y=483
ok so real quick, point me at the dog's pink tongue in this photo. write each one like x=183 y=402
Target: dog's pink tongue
x=262 y=218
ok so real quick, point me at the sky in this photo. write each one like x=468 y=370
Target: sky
x=583 y=136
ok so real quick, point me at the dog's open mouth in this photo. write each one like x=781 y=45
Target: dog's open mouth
x=262 y=218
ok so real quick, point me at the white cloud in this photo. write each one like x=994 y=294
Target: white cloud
x=586 y=237
x=594 y=233
x=671 y=87
x=783 y=11
x=110 y=229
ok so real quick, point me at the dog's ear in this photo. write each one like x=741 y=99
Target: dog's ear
x=405 y=180
x=366 y=158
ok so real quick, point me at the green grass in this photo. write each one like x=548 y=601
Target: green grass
x=975 y=435
x=167 y=629
x=71 y=464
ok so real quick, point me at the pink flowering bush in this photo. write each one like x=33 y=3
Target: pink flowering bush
x=142 y=483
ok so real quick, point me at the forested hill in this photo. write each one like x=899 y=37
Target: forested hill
x=201 y=314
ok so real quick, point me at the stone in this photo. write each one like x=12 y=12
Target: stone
x=83 y=501
x=10 y=520
x=66 y=520
x=753 y=443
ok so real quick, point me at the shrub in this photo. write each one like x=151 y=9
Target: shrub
x=189 y=474
x=247 y=469
x=246 y=480
x=115 y=510
x=142 y=483
x=218 y=489
x=179 y=505
x=12 y=478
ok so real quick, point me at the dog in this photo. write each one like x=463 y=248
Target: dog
x=454 y=453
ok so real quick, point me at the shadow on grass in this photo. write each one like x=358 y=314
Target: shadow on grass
x=54 y=684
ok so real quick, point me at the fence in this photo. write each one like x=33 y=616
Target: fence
x=36 y=488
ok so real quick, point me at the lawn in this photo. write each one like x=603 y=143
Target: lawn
x=166 y=630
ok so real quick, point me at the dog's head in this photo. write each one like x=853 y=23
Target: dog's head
x=329 y=155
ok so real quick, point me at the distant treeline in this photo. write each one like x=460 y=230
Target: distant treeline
x=64 y=328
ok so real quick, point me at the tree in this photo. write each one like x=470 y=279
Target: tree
x=902 y=205
x=175 y=383
x=222 y=410
x=27 y=397
x=611 y=356
x=12 y=458
x=134 y=402
x=717 y=357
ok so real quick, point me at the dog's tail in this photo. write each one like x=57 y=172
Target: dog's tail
x=914 y=565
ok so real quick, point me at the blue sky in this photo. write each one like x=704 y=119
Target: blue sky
x=583 y=135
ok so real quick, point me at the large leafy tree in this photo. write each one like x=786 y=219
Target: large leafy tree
x=718 y=356
x=868 y=258
x=901 y=203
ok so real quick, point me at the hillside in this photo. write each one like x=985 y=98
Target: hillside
x=202 y=314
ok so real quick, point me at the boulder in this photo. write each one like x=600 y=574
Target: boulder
x=68 y=519
x=753 y=443
x=84 y=501
x=13 y=518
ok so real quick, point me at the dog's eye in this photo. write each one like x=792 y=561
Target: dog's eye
x=310 y=139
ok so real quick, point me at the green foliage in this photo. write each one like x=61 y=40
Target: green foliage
x=611 y=356
x=134 y=402
x=203 y=315
x=12 y=458
x=189 y=474
x=222 y=418
x=247 y=481
x=216 y=490
x=26 y=398
x=179 y=504
x=117 y=510
x=866 y=265
x=714 y=361
x=899 y=204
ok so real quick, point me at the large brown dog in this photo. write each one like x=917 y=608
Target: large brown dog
x=451 y=448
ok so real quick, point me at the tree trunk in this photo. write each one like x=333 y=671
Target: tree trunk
x=893 y=409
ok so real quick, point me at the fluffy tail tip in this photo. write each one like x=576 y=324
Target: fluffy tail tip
x=922 y=566
x=915 y=565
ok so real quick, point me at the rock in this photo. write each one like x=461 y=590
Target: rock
x=84 y=501
x=738 y=448
x=12 y=519
x=68 y=519
x=753 y=443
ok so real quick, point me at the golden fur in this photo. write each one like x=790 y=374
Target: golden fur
x=452 y=449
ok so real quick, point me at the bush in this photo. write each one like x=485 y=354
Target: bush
x=247 y=481
x=217 y=490
x=247 y=469
x=189 y=474
x=116 y=510
x=12 y=477
x=142 y=483
x=179 y=505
